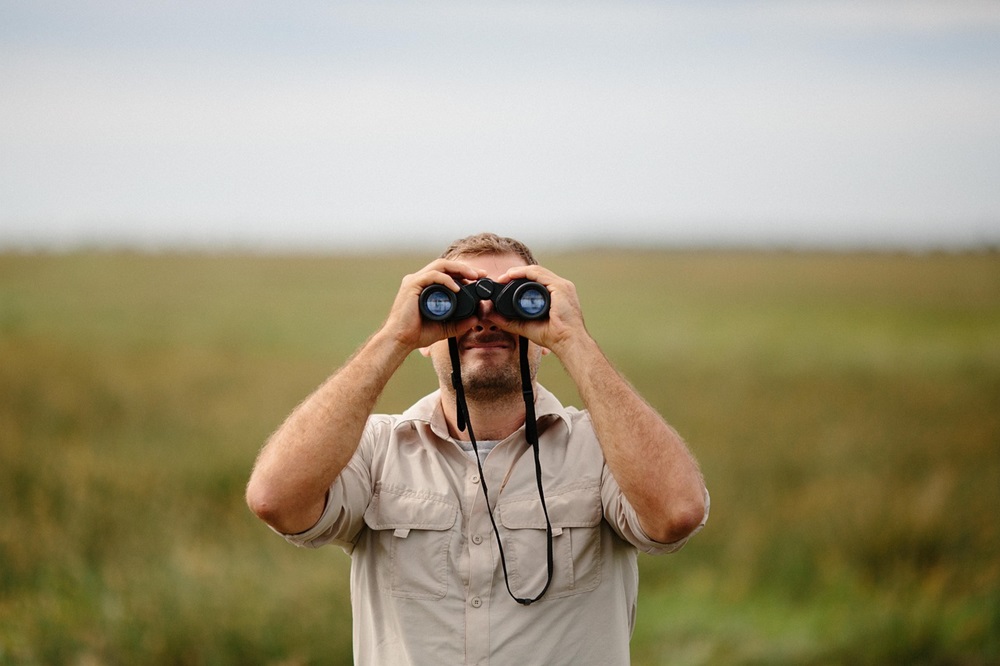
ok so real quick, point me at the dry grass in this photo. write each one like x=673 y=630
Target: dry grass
x=845 y=409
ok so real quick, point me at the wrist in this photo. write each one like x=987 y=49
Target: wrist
x=577 y=351
x=387 y=347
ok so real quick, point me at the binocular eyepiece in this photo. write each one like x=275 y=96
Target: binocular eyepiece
x=517 y=299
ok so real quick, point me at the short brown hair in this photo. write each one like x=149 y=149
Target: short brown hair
x=488 y=243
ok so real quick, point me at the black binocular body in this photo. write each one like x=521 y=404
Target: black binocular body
x=517 y=299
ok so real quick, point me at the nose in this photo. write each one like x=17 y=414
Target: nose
x=483 y=313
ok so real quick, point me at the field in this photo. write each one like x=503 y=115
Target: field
x=845 y=409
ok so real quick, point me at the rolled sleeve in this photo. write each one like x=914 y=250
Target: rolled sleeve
x=348 y=497
x=625 y=522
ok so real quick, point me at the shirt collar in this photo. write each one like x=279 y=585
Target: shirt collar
x=429 y=410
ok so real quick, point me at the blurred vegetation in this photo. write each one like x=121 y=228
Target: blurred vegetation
x=845 y=409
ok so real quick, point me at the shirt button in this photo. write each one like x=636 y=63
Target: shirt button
x=474 y=478
x=477 y=539
x=476 y=602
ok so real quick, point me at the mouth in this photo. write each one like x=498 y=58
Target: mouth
x=488 y=342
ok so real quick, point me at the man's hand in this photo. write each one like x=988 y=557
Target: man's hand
x=564 y=325
x=404 y=323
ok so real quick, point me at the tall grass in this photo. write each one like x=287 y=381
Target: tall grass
x=845 y=409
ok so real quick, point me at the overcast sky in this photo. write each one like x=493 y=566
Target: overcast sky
x=324 y=124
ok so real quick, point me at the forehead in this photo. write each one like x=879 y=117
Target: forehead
x=494 y=264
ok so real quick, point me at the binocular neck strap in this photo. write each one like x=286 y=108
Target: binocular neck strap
x=530 y=434
x=528 y=393
x=462 y=408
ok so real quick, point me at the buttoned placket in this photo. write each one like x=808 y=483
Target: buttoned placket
x=477 y=602
x=483 y=552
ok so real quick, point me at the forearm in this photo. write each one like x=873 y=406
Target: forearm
x=287 y=488
x=648 y=459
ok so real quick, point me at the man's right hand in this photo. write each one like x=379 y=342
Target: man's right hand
x=404 y=322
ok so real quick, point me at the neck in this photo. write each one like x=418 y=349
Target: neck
x=491 y=420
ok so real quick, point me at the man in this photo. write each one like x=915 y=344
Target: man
x=402 y=494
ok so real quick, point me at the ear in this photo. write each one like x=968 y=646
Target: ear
x=425 y=352
x=546 y=351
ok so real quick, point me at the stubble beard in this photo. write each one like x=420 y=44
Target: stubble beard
x=491 y=383
x=485 y=381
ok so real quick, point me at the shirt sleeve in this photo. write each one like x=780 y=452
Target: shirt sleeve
x=348 y=496
x=624 y=521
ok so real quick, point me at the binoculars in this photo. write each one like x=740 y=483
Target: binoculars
x=517 y=299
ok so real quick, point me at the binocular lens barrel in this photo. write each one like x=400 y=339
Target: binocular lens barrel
x=530 y=301
x=437 y=303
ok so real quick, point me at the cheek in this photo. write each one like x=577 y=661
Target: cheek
x=435 y=349
x=440 y=358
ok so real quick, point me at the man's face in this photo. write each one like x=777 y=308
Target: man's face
x=489 y=357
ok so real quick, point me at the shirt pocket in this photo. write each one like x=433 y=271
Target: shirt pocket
x=413 y=536
x=575 y=516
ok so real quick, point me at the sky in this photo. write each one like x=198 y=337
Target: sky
x=316 y=125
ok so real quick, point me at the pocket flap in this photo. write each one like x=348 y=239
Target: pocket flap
x=394 y=509
x=579 y=507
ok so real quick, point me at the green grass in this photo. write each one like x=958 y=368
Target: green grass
x=845 y=409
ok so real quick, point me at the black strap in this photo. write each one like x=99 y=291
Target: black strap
x=462 y=408
x=527 y=392
x=530 y=433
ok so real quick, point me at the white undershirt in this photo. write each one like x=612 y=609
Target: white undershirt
x=484 y=448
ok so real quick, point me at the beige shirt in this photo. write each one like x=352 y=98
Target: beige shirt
x=427 y=585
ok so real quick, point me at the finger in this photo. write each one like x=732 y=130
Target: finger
x=533 y=272
x=432 y=274
x=438 y=277
x=455 y=268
